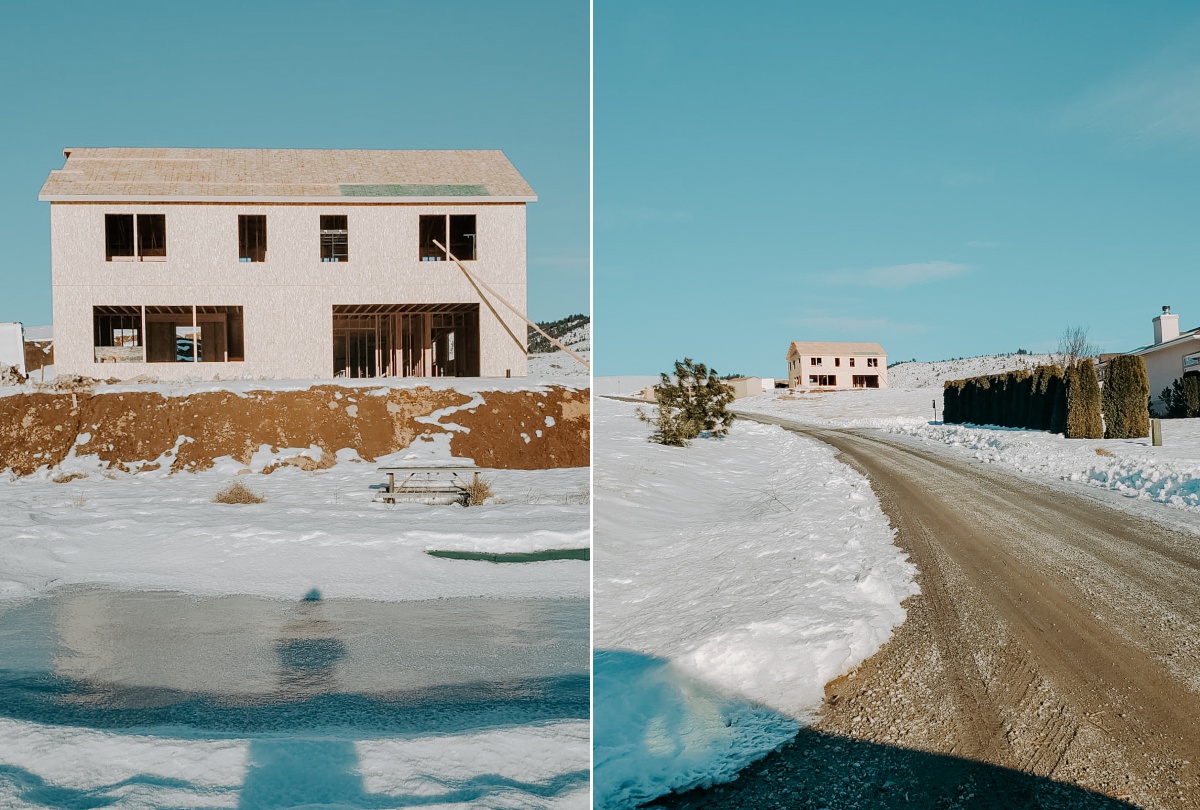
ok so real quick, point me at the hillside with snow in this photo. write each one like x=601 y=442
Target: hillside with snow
x=547 y=360
x=934 y=375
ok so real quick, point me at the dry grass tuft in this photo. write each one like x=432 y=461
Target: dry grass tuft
x=1100 y=451
x=63 y=478
x=237 y=492
x=478 y=491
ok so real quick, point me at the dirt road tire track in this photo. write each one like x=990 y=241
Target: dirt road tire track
x=1053 y=636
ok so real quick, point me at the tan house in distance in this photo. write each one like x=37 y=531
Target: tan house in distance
x=813 y=364
x=287 y=263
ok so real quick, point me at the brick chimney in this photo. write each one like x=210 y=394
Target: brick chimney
x=1166 y=327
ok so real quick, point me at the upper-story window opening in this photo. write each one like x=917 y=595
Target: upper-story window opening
x=134 y=237
x=335 y=244
x=434 y=230
x=252 y=237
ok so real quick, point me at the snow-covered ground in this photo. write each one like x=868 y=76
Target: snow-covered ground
x=733 y=579
x=155 y=530
x=1167 y=475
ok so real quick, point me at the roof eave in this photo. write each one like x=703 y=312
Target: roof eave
x=1193 y=334
x=249 y=200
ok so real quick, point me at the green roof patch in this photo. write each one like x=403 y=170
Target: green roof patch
x=411 y=190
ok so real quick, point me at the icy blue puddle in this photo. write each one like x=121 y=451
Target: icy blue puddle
x=302 y=682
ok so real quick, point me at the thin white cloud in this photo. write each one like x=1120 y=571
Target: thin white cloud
x=897 y=276
x=1156 y=101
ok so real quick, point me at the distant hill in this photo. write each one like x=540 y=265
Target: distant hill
x=574 y=330
x=545 y=359
x=933 y=375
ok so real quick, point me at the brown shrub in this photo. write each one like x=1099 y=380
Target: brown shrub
x=478 y=491
x=237 y=492
x=62 y=477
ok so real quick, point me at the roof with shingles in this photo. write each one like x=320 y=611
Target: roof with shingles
x=353 y=175
x=819 y=348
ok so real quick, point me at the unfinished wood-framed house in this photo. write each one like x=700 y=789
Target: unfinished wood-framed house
x=817 y=364
x=288 y=263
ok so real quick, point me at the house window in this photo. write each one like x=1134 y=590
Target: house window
x=815 y=361
x=135 y=237
x=433 y=229
x=823 y=380
x=872 y=362
x=851 y=362
x=335 y=245
x=117 y=333
x=837 y=361
x=865 y=380
x=252 y=237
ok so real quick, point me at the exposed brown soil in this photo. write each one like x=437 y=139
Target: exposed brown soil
x=511 y=430
x=1052 y=658
x=127 y=430
x=38 y=353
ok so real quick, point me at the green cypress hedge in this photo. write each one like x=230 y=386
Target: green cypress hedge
x=1056 y=400
x=1084 y=419
x=1124 y=399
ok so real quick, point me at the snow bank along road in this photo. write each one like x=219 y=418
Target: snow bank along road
x=1052 y=636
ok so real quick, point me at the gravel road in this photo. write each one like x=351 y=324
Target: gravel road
x=1051 y=660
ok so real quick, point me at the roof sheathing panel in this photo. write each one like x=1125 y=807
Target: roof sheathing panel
x=116 y=173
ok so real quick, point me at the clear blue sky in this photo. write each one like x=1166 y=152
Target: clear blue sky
x=948 y=179
x=452 y=74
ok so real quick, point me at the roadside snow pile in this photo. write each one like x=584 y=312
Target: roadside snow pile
x=1132 y=467
x=933 y=375
x=733 y=580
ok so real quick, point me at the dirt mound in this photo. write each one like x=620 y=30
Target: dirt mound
x=131 y=429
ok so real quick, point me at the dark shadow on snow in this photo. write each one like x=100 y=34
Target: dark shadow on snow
x=819 y=770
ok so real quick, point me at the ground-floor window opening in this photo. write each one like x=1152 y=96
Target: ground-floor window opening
x=406 y=340
x=168 y=334
x=823 y=380
x=117 y=334
x=866 y=380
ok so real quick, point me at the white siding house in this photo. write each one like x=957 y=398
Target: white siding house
x=813 y=364
x=1172 y=354
x=257 y=263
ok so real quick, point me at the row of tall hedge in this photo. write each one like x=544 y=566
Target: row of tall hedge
x=1061 y=401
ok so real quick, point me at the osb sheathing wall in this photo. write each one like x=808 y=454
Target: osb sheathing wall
x=287 y=300
x=142 y=429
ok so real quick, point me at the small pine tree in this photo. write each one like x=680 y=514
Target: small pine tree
x=1124 y=397
x=695 y=402
x=1182 y=398
x=1084 y=420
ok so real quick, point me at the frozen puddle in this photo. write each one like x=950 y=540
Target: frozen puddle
x=159 y=699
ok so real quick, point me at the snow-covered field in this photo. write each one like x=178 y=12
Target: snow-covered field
x=82 y=524
x=733 y=579
x=155 y=530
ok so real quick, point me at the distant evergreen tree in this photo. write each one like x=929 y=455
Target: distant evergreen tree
x=1124 y=399
x=1084 y=420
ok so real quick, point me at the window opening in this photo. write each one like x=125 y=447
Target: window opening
x=335 y=245
x=252 y=237
x=124 y=232
x=434 y=228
